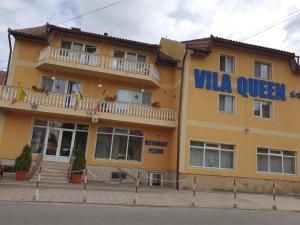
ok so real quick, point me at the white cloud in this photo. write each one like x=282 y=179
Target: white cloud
x=149 y=20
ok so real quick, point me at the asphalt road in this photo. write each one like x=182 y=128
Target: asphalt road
x=74 y=214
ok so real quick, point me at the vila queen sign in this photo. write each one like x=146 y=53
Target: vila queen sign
x=245 y=86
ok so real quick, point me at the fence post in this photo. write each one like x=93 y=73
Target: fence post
x=234 y=194
x=84 y=185
x=37 y=194
x=194 y=192
x=274 y=207
x=136 y=189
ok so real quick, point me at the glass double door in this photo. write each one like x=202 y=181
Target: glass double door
x=59 y=145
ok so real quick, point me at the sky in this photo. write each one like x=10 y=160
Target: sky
x=270 y=23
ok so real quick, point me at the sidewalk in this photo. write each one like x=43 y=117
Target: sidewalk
x=98 y=193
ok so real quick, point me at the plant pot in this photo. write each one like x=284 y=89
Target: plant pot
x=20 y=175
x=76 y=178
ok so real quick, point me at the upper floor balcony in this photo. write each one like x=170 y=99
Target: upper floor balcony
x=89 y=107
x=98 y=65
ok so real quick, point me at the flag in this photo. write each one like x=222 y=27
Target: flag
x=21 y=94
x=79 y=97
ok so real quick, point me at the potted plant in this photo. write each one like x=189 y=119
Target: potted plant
x=23 y=163
x=155 y=104
x=78 y=166
x=41 y=90
x=110 y=98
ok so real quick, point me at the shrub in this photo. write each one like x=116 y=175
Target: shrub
x=79 y=161
x=23 y=161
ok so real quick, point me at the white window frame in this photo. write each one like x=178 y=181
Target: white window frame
x=133 y=53
x=48 y=126
x=226 y=58
x=58 y=78
x=233 y=103
x=112 y=141
x=273 y=154
x=219 y=149
x=261 y=109
x=78 y=42
x=269 y=70
x=131 y=94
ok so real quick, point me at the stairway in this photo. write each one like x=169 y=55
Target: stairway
x=53 y=172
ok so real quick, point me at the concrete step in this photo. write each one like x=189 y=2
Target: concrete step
x=53 y=178
x=52 y=181
x=53 y=172
x=58 y=176
x=55 y=167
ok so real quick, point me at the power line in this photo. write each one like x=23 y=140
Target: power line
x=92 y=11
x=270 y=26
x=82 y=15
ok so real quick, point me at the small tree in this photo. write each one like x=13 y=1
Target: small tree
x=79 y=161
x=23 y=161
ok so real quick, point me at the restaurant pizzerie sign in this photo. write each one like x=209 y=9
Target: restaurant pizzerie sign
x=245 y=86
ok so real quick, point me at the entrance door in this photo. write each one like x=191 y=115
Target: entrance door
x=59 y=145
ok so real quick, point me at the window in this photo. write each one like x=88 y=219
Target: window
x=123 y=61
x=136 y=97
x=275 y=161
x=262 y=109
x=119 y=144
x=226 y=103
x=263 y=70
x=129 y=56
x=79 y=55
x=78 y=46
x=227 y=64
x=60 y=85
x=211 y=155
x=38 y=135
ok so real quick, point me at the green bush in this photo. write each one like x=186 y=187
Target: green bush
x=23 y=161
x=79 y=161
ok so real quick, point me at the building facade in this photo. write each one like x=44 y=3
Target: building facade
x=211 y=108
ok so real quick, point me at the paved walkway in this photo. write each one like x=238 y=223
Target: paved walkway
x=11 y=190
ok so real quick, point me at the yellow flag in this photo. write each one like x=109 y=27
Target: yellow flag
x=79 y=97
x=21 y=94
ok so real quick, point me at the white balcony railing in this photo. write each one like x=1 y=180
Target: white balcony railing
x=100 y=61
x=89 y=104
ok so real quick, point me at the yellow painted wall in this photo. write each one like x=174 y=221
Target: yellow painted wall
x=18 y=129
x=206 y=123
x=19 y=124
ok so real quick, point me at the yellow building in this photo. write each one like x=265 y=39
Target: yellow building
x=210 y=107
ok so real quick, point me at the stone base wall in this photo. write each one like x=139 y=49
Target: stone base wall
x=104 y=173
x=8 y=162
x=220 y=183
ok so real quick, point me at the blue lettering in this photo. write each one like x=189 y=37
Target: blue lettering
x=271 y=90
x=262 y=89
x=215 y=86
x=280 y=91
x=226 y=83
x=242 y=86
x=199 y=78
x=208 y=80
x=253 y=87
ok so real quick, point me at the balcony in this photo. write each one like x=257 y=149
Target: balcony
x=89 y=107
x=73 y=61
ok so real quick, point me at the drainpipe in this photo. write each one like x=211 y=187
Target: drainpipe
x=9 y=58
x=179 y=121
